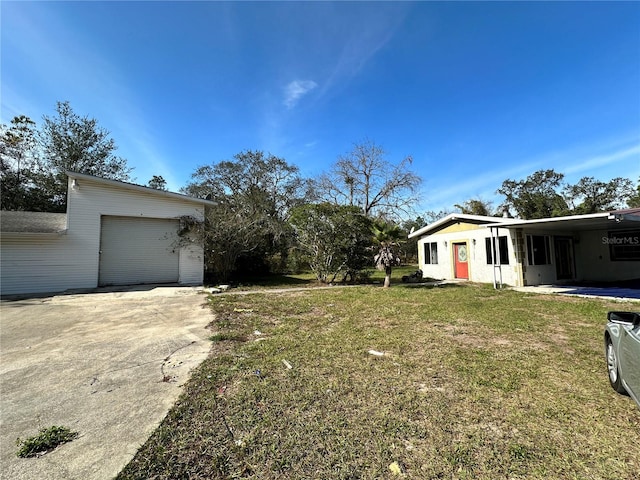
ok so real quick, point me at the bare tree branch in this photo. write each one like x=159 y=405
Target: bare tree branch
x=365 y=178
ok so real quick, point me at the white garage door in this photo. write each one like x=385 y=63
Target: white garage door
x=138 y=250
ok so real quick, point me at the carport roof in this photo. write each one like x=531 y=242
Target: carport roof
x=614 y=220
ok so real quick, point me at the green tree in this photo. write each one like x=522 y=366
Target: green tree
x=19 y=167
x=78 y=144
x=387 y=236
x=254 y=194
x=366 y=179
x=592 y=196
x=475 y=206
x=409 y=248
x=157 y=182
x=535 y=197
x=634 y=200
x=334 y=240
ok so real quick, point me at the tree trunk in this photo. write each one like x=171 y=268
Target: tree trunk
x=387 y=277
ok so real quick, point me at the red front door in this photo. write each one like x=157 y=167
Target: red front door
x=461 y=264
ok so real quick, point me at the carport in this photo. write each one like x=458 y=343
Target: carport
x=574 y=250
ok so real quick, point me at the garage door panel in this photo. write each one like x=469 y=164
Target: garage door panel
x=138 y=250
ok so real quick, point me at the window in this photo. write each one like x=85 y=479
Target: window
x=538 y=250
x=431 y=253
x=502 y=247
x=623 y=245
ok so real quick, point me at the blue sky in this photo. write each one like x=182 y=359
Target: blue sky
x=475 y=92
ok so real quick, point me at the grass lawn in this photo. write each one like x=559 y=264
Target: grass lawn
x=473 y=383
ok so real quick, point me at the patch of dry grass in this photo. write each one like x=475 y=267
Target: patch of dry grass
x=473 y=383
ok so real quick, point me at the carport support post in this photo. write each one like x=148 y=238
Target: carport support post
x=495 y=258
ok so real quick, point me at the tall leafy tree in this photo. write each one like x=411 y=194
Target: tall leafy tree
x=79 y=144
x=254 y=193
x=592 y=196
x=157 y=182
x=19 y=156
x=366 y=179
x=387 y=236
x=537 y=196
x=334 y=240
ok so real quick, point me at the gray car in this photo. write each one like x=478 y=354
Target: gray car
x=622 y=350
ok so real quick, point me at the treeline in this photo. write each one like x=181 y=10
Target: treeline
x=268 y=217
x=545 y=194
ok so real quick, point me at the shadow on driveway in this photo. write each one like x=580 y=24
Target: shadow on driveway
x=608 y=292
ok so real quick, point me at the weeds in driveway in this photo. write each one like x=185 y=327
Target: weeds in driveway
x=464 y=382
x=45 y=441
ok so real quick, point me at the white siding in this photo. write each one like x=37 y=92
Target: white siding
x=191 y=264
x=46 y=263
x=37 y=263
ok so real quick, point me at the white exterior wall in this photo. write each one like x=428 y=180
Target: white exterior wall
x=28 y=260
x=479 y=270
x=31 y=263
x=191 y=269
x=442 y=268
x=594 y=261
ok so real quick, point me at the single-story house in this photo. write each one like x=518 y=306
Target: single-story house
x=114 y=233
x=599 y=247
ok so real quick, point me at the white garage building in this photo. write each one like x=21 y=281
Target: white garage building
x=113 y=233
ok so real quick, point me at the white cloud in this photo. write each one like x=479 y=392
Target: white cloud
x=354 y=48
x=587 y=164
x=296 y=90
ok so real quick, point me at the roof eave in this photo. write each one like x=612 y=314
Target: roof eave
x=536 y=221
x=139 y=188
x=57 y=233
x=455 y=217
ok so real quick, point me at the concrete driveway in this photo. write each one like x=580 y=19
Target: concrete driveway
x=108 y=365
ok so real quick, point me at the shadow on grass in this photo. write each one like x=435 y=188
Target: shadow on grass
x=308 y=279
x=429 y=286
x=278 y=281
